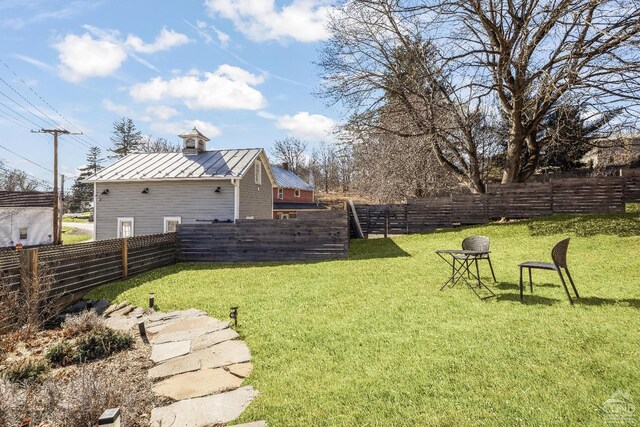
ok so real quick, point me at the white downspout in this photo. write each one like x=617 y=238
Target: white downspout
x=236 y=201
x=95 y=211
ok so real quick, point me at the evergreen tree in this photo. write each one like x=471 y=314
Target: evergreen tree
x=82 y=193
x=125 y=137
x=568 y=134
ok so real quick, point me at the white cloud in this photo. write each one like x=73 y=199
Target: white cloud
x=261 y=20
x=82 y=57
x=176 y=128
x=304 y=125
x=163 y=41
x=120 y=109
x=99 y=53
x=227 y=88
x=150 y=114
x=34 y=62
x=162 y=112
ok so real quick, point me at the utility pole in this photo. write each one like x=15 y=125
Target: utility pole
x=56 y=207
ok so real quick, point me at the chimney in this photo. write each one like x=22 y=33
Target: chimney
x=193 y=142
x=285 y=166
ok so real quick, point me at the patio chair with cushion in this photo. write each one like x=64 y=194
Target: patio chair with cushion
x=559 y=257
x=480 y=244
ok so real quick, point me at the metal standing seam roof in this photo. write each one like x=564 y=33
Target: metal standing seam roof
x=287 y=179
x=162 y=166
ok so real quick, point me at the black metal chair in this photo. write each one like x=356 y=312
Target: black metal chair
x=559 y=257
x=480 y=244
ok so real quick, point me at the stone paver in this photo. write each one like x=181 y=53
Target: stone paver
x=242 y=370
x=186 y=329
x=166 y=351
x=198 y=361
x=204 y=411
x=120 y=323
x=178 y=365
x=208 y=340
x=196 y=384
x=223 y=354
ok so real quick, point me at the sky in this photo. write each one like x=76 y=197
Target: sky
x=241 y=71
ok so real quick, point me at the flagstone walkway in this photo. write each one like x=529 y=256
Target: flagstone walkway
x=198 y=361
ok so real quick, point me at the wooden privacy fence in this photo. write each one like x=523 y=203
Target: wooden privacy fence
x=514 y=201
x=311 y=236
x=77 y=269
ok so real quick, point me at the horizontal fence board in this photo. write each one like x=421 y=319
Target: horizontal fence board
x=321 y=235
x=76 y=269
x=513 y=201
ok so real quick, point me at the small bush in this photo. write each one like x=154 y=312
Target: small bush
x=27 y=370
x=84 y=322
x=101 y=343
x=80 y=398
x=60 y=354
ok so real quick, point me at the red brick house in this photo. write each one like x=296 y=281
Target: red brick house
x=291 y=194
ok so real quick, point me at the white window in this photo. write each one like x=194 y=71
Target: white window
x=171 y=223
x=191 y=143
x=258 y=172
x=24 y=233
x=282 y=215
x=125 y=227
x=280 y=193
x=296 y=193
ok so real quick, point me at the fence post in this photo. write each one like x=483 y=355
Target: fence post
x=406 y=216
x=125 y=258
x=386 y=222
x=29 y=267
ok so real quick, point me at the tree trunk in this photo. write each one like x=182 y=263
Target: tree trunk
x=513 y=159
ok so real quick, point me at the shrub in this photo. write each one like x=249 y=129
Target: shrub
x=84 y=322
x=101 y=343
x=25 y=306
x=80 y=398
x=27 y=370
x=60 y=354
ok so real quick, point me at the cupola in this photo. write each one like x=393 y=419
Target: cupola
x=193 y=142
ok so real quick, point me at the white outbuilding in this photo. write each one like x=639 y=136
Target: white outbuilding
x=26 y=217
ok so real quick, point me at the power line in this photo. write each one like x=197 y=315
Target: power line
x=6 y=170
x=11 y=119
x=47 y=122
x=29 y=102
x=17 y=121
x=17 y=113
x=46 y=103
x=24 y=158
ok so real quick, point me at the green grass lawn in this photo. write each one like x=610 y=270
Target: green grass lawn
x=372 y=341
x=76 y=217
x=72 y=236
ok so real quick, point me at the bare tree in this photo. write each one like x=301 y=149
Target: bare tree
x=149 y=144
x=291 y=151
x=15 y=180
x=531 y=56
x=394 y=81
x=324 y=165
x=451 y=65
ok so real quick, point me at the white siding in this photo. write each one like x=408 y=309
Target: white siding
x=39 y=222
x=190 y=200
x=256 y=200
